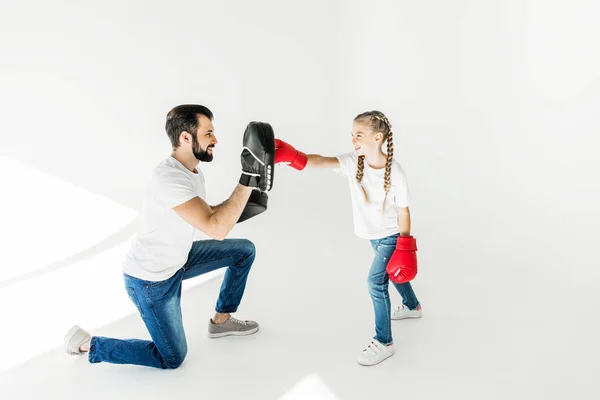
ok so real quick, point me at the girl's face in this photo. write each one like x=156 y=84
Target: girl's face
x=364 y=140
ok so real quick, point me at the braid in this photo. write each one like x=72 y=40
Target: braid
x=388 y=163
x=388 y=167
x=390 y=154
x=359 y=175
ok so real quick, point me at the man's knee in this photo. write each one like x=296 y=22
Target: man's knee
x=176 y=360
x=249 y=248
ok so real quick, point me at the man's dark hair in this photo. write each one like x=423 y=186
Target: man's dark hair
x=184 y=118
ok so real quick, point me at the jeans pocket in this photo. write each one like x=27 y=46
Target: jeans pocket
x=133 y=296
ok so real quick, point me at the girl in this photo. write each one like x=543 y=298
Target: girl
x=380 y=200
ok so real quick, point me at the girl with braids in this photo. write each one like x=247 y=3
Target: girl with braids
x=380 y=200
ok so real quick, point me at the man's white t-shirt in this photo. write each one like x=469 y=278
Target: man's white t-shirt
x=163 y=242
x=369 y=220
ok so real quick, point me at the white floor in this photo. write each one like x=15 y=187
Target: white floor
x=506 y=316
x=484 y=335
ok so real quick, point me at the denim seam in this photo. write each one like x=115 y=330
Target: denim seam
x=160 y=328
x=235 y=279
x=236 y=271
x=387 y=312
x=207 y=262
x=136 y=301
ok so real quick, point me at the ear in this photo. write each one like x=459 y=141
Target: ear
x=379 y=136
x=185 y=137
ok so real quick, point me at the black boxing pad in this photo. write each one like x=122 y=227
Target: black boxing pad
x=257 y=204
x=258 y=156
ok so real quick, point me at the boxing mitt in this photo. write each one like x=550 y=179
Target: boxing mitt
x=258 y=154
x=402 y=266
x=257 y=203
x=285 y=153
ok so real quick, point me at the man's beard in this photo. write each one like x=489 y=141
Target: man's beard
x=199 y=152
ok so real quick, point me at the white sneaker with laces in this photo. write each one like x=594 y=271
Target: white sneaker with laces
x=403 y=312
x=375 y=353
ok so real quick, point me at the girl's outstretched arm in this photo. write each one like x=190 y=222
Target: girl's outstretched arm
x=287 y=154
x=318 y=161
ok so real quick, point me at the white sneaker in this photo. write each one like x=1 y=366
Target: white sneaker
x=402 y=312
x=375 y=353
x=74 y=339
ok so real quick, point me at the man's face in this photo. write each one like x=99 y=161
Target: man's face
x=204 y=140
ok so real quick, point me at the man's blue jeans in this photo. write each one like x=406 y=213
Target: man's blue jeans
x=159 y=305
x=378 y=289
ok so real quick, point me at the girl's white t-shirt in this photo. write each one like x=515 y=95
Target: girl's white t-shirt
x=369 y=220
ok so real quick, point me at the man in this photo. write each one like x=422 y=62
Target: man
x=163 y=253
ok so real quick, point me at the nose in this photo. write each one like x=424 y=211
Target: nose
x=215 y=141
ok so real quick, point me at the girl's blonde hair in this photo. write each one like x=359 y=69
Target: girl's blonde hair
x=377 y=122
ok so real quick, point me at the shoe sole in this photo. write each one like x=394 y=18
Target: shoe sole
x=383 y=359
x=232 y=333
x=407 y=317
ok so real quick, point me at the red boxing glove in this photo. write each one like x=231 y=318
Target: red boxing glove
x=402 y=266
x=285 y=153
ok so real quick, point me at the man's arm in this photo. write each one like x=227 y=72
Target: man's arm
x=218 y=222
x=215 y=208
x=403 y=220
x=318 y=161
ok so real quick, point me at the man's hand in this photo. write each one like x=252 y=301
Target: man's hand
x=257 y=156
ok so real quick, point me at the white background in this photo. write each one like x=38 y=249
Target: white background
x=495 y=107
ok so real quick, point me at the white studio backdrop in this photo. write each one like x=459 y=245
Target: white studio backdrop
x=495 y=107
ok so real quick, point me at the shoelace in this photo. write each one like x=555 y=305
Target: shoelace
x=237 y=321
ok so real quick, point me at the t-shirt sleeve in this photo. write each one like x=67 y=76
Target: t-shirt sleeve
x=402 y=193
x=347 y=161
x=171 y=188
